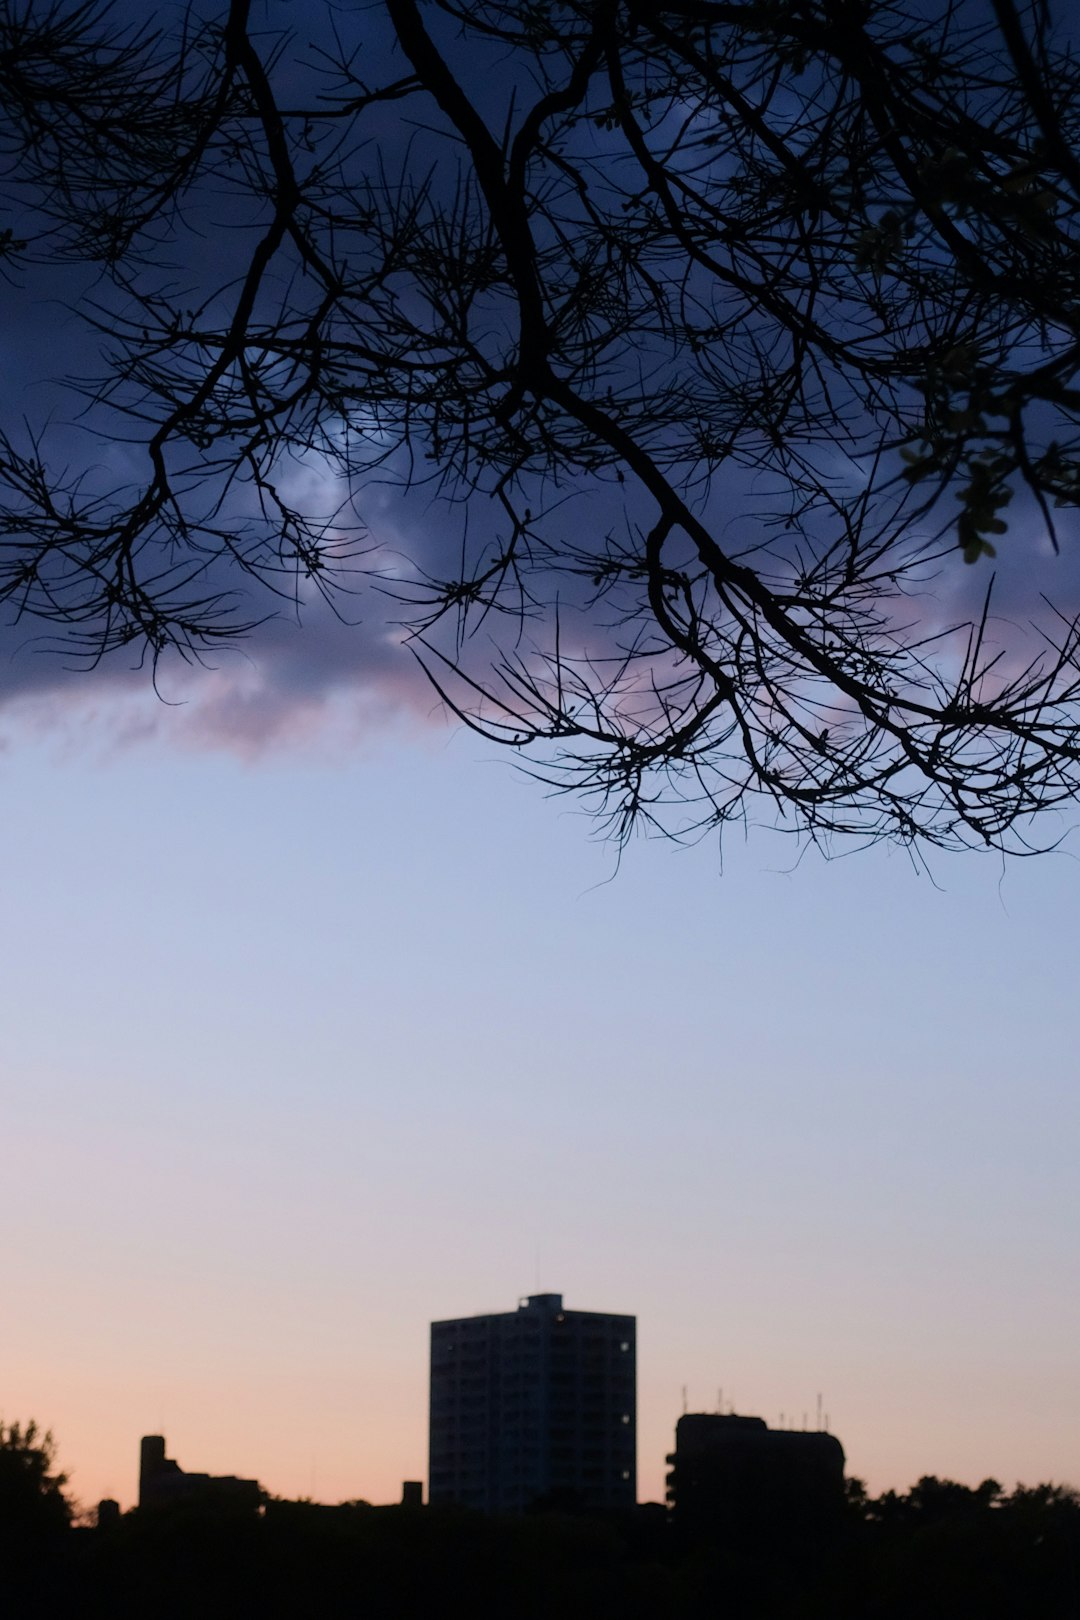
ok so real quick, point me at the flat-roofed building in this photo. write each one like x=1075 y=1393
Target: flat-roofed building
x=163 y=1483
x=536 y=1405
x=733 y=1477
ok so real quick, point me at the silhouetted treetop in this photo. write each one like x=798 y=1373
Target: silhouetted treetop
x=32 y=1500
x=710 y=340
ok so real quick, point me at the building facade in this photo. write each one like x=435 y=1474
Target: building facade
x=734 y=1478
x=534 y=1406
x=163 y=1483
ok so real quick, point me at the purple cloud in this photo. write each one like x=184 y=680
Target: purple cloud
x=288 y=685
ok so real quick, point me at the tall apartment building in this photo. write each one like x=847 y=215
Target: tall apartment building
x=532 y=1405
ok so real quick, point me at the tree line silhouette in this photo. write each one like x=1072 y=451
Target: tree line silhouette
x=940 y=1551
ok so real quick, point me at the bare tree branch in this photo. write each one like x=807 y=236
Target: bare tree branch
x=724 y=334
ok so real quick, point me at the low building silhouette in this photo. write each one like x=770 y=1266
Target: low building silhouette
x=163 y=1483
x=733 y=1477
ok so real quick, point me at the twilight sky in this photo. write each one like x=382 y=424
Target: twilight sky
x=320 y=1023
x=306 y=1049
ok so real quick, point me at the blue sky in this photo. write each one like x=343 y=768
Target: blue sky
x=304 y=1053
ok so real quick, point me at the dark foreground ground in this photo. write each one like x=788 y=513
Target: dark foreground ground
x=942 y=1552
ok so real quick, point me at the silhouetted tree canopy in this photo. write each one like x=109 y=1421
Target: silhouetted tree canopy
x=33 y=1505
x=714 y=337
x=941 y=1551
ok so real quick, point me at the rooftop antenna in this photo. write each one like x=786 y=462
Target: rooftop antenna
x=804 y=1422
x=819 y=1413
x=684 y=1400
x=720 y=1399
